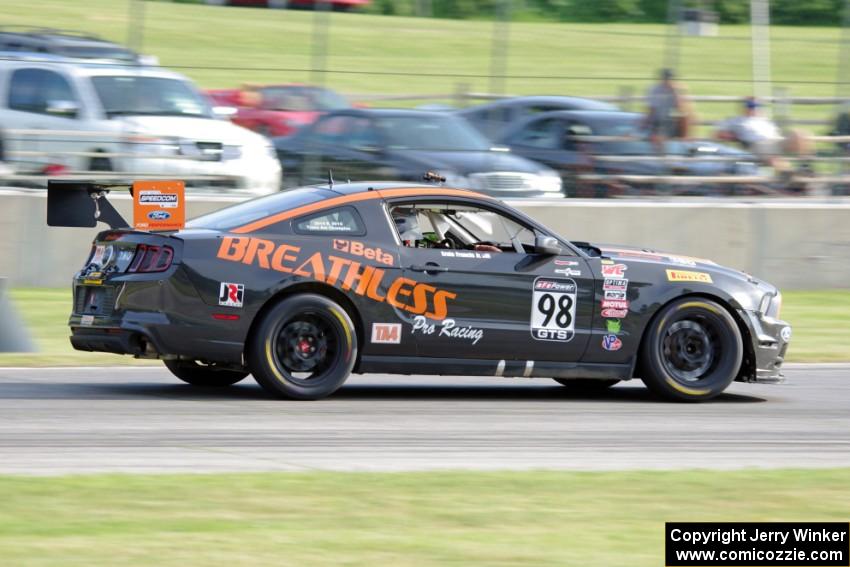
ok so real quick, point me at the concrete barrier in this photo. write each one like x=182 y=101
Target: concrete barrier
x=800 y=244
x=14 y=336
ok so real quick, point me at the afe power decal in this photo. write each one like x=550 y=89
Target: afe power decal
x=553 y=309
x=349 y=275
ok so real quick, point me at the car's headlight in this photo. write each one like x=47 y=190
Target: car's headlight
x=550 y=182
x=270 y=151
x=771 y=305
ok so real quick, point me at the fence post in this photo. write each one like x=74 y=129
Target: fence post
x=14 y=336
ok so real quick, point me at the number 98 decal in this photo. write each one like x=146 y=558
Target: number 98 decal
x=553 y=309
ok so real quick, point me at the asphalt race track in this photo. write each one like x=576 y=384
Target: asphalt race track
x=57 y=421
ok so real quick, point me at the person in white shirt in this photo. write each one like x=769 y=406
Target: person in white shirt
x=752 y=130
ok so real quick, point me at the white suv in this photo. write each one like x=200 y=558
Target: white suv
x=102 y=116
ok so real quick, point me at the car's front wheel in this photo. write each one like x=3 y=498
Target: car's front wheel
x=303 y=348
x=197 y=374
x=692 y=351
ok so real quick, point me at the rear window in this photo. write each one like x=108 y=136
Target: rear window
x=255 y=209
x=344 y=220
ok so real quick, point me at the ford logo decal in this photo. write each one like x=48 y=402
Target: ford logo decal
x=159 y=215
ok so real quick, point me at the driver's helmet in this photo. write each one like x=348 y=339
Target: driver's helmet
x=407 y=224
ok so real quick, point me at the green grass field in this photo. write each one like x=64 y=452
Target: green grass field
x=821 y=322
x=405 y=519
x=223 y=47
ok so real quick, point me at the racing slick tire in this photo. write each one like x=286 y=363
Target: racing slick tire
x=199 y=375
x=303 y=348
x=692 y=351
x=586 y=384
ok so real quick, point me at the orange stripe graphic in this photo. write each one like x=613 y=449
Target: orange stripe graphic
x=347 y=199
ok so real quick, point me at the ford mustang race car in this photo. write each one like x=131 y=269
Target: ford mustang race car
x=303 y=288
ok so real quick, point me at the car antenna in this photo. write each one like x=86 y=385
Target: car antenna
x=330 y=179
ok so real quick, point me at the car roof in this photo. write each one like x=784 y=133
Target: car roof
x=588 y=103
x=388 y=112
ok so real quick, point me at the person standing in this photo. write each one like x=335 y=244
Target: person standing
x=667 y=115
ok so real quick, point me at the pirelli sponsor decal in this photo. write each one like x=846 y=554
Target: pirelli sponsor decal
x=347 y=274
x=688 y=276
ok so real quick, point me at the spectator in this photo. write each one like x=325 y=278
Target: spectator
x=752 y=130
x=667 y=114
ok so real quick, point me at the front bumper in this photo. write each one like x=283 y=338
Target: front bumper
x=769 y=340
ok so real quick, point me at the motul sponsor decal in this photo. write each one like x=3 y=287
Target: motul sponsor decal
x=231 y=294
x=347 y=274
x=615 y=304
x=386 y=333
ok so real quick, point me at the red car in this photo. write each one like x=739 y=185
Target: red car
x=339 y=5
x=278 y=110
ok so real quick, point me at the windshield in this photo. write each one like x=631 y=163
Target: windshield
x=616 y=128
x=302 y=99
x=154 y=96
x=97 y=52
x=249 y=211
x=434 y=133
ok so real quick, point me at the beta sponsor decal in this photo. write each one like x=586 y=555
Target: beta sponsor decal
x=612 y=294
x=615 y=304
x=553 y=309
x=615 y=284
x=356 y=248
x=231 y=294
x=615 y=313
x=614 y=270
x=447 y=328
x=349 y=275
x=611 y=342
x=613 y=326
x=687 y=276
x=386 y=333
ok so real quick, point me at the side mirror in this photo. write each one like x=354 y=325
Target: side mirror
x=547 y=245
x=64 y=108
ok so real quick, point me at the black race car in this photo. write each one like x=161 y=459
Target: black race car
x=304 y=287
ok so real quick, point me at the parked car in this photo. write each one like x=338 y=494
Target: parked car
x=559 y=140
x=376 y=144
x=67 y=43
x=144 y=120
x=278 y=110
x=337 y=5
x=493 y=118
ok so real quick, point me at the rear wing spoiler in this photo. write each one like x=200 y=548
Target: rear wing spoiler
x=83 y=204
x=157 y=205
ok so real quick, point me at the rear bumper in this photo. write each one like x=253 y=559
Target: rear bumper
x=770 y=338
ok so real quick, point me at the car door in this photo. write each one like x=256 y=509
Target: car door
x=44 y=101
x=514 y=306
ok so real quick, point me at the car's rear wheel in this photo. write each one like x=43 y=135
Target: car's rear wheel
x=692 y=351
x=303 y=348
x=197 y=374
x=585 y=384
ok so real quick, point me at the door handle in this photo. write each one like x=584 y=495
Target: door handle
x=428 y=268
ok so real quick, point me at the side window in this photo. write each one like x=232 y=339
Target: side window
x=41 y=91
x=342 y=221
x=540 y=134
x=456 y=226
